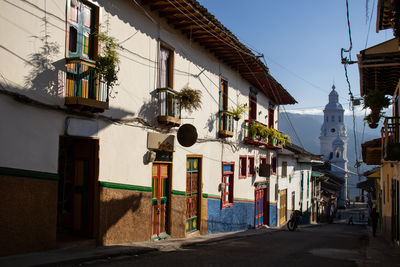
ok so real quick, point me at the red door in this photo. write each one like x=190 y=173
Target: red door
x=261 y=209
x=159 y=200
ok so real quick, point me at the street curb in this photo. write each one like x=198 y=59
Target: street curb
x=227 y=237
x=60 y=257
x=98 y=253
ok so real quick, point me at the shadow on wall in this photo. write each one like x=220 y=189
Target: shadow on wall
x=45 y=75
x=211 y=122
x=150 y=109
x=113 y=210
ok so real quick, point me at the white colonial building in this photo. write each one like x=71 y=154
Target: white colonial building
x=79 y=161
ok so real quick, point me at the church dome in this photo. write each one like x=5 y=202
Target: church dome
x=333 y=100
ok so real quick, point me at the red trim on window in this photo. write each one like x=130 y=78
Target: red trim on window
x=273 y=165
x=270 y=118
x=251 y=166
x=228 y=190
x=253 y=107
x=242 y=167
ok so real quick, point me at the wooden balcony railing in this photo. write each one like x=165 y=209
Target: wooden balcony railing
x=85 y=90
x=255 y=138
x=390 y=133
x=225 y=124
x=170 y=112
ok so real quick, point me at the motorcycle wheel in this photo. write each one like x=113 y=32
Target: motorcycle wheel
x=291 y=225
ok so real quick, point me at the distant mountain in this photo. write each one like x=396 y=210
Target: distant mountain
x=307 y=129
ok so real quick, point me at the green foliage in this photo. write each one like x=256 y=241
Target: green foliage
x=376 y=99
x=238 y=111
x=265 y=132
x=189 y=99
x=107 y=62
x=373 y=119
x=252 y=129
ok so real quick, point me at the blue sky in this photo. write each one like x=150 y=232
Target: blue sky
x=301 y=42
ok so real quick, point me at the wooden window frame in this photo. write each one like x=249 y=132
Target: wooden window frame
x=251 y=164
x=252 y=111
x=229 y=203
x=223 y=96
x=95 y=30
x=271 y=118
x=241 y=166
x=273 y=165
x=284 y=175
x=171 y=64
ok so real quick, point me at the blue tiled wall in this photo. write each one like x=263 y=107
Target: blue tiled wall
x=272 y=212
x=238 y=217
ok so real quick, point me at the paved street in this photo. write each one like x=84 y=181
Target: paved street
x=324 y=245
x=338 y=244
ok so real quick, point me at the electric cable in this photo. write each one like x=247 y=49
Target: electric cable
x=347 y=61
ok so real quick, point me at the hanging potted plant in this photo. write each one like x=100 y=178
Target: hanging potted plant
x=372 y=119
x=189 y=99
x=375 y=100
x=239 y=111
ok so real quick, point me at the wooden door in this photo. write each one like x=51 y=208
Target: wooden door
x=159 y=200
x=192 y=194
x=78 y=163
x=259 y=208
x=283 y=206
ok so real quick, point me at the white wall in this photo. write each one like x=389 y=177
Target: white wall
x=31 y=139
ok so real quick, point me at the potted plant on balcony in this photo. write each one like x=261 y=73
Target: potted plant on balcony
x=189 y=99
x=274 y=135
x=107 y=62
x=282 y=139
x=239 y=111
x=264 y=132
x=375 y=100
x=252 y=130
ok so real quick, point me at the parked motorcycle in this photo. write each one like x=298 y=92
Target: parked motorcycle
x=295 y=218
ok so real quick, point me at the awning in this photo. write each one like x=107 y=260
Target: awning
x=379 y=67
x=376 y=174
x=286 y=152
x=200 y=26
x=372 y=151
x=368 y=185
x=316 y=174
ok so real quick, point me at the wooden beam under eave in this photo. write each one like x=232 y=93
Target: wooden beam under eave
x=165 y=7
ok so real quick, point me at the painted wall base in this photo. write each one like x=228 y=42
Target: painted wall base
x=238 y=217
x=273 y=214
x=28 y=214
x=125 y=216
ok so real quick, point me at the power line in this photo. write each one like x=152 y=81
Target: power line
x=347 y=61
x=369 y=26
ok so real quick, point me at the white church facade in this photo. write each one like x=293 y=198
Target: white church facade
x=333 y=141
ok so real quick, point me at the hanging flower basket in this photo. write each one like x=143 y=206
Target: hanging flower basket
x=239 y=111
x=373 y=119
x=189 y=99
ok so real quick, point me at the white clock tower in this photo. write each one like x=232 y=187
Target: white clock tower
x=334 y=139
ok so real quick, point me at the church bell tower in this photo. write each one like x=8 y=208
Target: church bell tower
x=333 y=141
